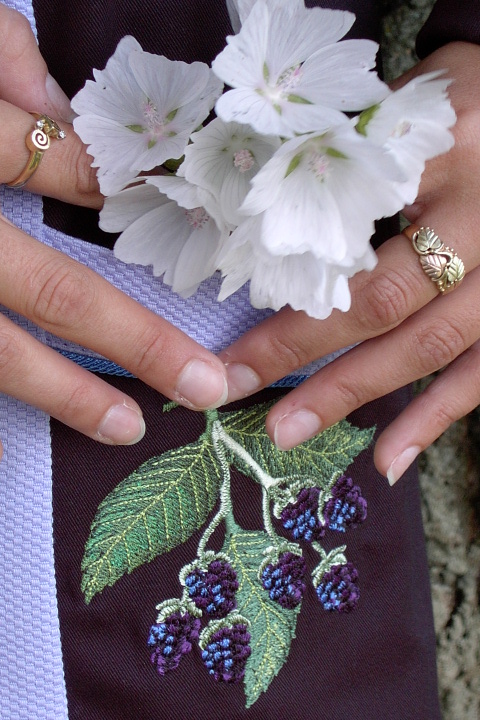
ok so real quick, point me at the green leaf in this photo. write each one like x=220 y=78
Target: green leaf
x=272 y=628
x=153 y=510
x=323 y=459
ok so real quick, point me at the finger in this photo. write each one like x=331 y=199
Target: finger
x=24 y=77
x=381 y=300
x=37 y=375
x=75 y=303
x=424 y=343
x=449 y=397
x=65 y=170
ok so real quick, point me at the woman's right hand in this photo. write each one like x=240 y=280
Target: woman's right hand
x=67 y=298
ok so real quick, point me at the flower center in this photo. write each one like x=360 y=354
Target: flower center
x=319 y=164
x=154 y=122
x=243 y=160
x=197 y=218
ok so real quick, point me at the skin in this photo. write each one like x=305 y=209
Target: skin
x=405 y=328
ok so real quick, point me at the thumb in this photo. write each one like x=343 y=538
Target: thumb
x=24 y=77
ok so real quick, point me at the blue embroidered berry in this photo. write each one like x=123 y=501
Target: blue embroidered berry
x=213 y=591
x=346 y=507
x=284 y=579
x=301 y=517
x=226 y=652
x=338 y=589
x=171 y=639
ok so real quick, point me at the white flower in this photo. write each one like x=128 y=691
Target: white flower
x=322 y=193
x=223 y=158
x=140 y=111
x=165 y=225
x=413 y=125
x=304 y=281
x=290 y=74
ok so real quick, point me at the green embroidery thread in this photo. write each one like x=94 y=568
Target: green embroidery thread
x=250 y=593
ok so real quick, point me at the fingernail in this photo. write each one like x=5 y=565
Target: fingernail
x=201 y=386
x=59 y=100
x=401 y=463
x=296 y=427
x=242 y=381
x=121 y=425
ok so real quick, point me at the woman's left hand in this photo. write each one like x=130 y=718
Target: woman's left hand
x=405 y=328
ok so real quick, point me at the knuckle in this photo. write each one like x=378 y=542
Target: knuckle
x=350 y=396
x=65 y=294
x=74 y=401
x=435 y=347
x=383 y=303
x=286 y=352
x=150 y=351
x=11 y=350
x=441 y=416
x=85 y=177
x=15 y=36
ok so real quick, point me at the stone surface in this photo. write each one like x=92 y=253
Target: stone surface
x=450 y=480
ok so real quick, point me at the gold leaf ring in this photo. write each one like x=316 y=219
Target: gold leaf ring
x=439 y=262
x=37 y=142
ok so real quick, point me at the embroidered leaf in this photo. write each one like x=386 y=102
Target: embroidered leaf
x=152 y=511
x=323 y=459
x=272 y=628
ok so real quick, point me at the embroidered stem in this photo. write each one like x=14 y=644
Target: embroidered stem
x=267 y=518
x=225 y=494
x=265 y=480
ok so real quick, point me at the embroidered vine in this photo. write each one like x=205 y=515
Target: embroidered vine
x=247 y=596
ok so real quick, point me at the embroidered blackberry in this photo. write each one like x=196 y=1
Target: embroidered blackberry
x=213 y=591
x=171 y=639
x=284 y=579
x=338 y=589
x=301 y=517
x=226 y=652
x=346 y=507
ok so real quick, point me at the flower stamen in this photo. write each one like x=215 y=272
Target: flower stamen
x=243 y=160
x=197 y=218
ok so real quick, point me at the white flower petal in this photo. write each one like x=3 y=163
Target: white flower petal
x=121 y=210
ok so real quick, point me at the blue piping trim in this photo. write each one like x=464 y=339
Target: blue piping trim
x=106 y=367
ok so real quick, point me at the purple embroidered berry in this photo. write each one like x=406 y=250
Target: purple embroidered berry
x=338 y=589
x=226 y=651
x=283 y=580
x=346 y=507
x=213 y=591
x=301 y=517
x=172 y=638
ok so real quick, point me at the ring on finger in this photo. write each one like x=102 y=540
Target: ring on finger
x=439 y=262
x=38 y=143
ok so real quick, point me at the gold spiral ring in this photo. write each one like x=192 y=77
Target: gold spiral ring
x=38 y=143
x=439 y=262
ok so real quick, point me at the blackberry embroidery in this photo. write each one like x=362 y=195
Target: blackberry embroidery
x=284 y=580
x=246 y=596
x=346 y=507
x=225 y=651
x=301 y=517
x=172 y=638
x=338 y=589
x=213 y=591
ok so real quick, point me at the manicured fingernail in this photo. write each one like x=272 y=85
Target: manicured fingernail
x=242 y=381
x=296 y=427
x=401 y=463
x=121 y=425
x=59 y=100
x=201 y=386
